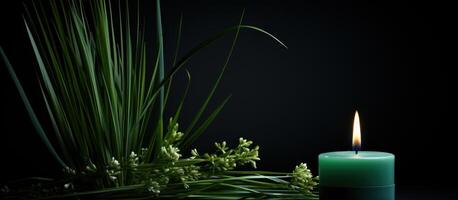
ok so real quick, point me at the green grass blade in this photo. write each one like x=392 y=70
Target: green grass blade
x=218 y=80
x=36 y=123
x=59 y=137
x=195 y=51
x=196 y=134
x=177 y=114
x=160 y=121
x=175 y=57
x=161 y=50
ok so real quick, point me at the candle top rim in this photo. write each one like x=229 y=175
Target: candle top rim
x=361 y=154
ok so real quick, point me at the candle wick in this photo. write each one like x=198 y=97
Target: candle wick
x=356 y=148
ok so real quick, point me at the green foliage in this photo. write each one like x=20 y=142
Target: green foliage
x=105 y=90
x=303 y=180
x=228 y=159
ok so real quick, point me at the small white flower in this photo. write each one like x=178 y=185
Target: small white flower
x=114 y=162
x=68 y=186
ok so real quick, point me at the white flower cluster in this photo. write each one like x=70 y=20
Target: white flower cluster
x=245 y=154
x=194 y=154
x=133 y=160
x=170 y=153
x=153 y=186
x=302 y=179
x=173 y=134
x=113 y=169
x=228 y=159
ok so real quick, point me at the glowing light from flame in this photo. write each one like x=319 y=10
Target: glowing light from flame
x=356 y=133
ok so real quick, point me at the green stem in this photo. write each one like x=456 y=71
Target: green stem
x=160 y=40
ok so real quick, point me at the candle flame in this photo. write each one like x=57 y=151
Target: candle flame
x=356 y=133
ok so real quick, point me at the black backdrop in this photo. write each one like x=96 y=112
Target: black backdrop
x=386 y=59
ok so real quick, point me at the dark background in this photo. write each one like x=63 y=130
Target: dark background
x=386 y=59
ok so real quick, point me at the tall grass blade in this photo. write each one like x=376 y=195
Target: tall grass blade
x=191 y=53
x=215 y=85
x=36 y=123
x=196 y=134
x=160 y=123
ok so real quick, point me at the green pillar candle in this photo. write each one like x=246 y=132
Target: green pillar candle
x=368 y=175
x=356 y=175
